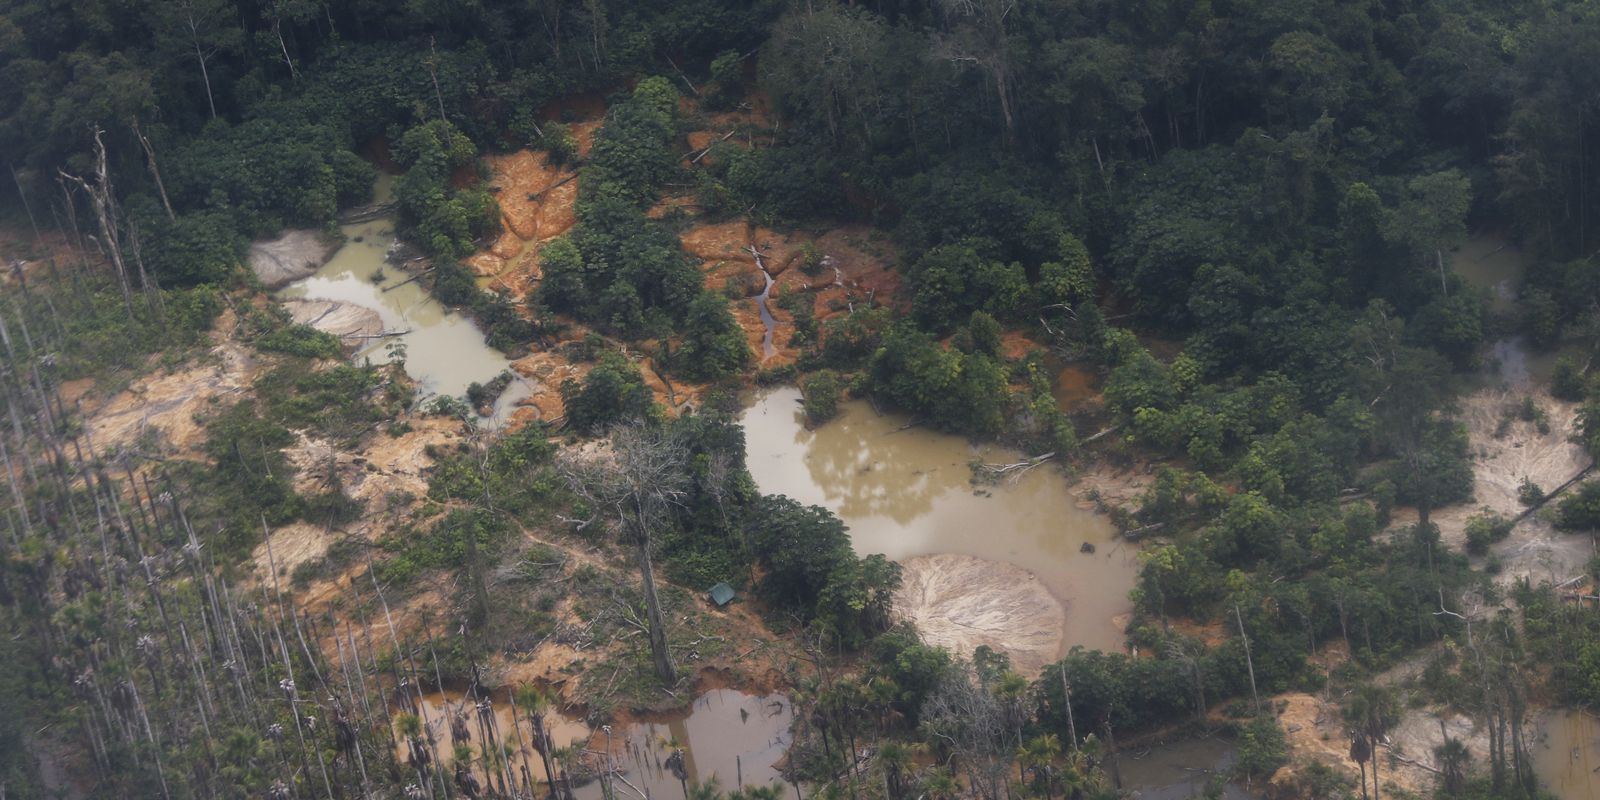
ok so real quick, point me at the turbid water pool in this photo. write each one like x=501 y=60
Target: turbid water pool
x=444 y=351
x=726 y=736
x=1493 y=263
x=1567 y=756
x=908 y=491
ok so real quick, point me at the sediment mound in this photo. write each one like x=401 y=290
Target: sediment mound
x=290 y=257
x=354 y=325
x=960 y=602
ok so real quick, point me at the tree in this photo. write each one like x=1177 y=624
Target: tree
x=613 y=391
x=639 y=485
x=821 y=393
x=1432 y=216
x=204 y=27
x=713 y=343
x=1453 y=758
x=1370 y=713
x=979 y=35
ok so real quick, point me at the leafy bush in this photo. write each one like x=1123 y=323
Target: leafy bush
x=713 y=343
x=194 y=249
x=614 y=391
x=1262 y=749
x=1484 y=530
x=821 y=393
x=810 y=566
x=1581 y=509
x=959 y=392
x=299 y=340
x=440 y=219
x=1529 y=493
x=1566 y=382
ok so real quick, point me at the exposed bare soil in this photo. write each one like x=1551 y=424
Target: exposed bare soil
x=354 y=325
x=961 y=602
x=166 y=405
x=290 y=257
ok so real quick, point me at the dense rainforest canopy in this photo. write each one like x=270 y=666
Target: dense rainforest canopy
x=1238 y=213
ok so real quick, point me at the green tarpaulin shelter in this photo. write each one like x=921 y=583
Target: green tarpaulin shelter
x=721 y=594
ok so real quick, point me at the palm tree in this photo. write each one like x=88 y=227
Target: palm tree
x=940 y=785
x=1039 y=756
x=1453 y=758
x=537 y=703
x=1370 y=712
x=894 y=758
x=703 y=790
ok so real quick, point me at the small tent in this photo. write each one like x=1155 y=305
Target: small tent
x=721 y=594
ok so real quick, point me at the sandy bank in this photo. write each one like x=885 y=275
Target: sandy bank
x=290 y=257
x=960 y=602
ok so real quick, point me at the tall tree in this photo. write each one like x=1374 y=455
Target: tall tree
x=640 y=484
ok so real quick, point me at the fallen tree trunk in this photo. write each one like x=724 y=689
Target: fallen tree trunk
x=1528 y=512
x=1017 y=468
x=1104 y=433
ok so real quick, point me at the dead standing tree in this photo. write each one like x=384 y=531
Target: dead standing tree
x=639 y=484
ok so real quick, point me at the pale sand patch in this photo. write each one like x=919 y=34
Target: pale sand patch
x=960 y=602
x=354 y=324
x=290 y=257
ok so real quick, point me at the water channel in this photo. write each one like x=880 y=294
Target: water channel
x=444 y=350
x=907 y=492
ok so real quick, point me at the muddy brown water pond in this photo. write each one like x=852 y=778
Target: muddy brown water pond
x=444 y=351
x=726 y=735
x=1493 y=263
x=1181 y=770
x=907 y=492
x=1567 y=757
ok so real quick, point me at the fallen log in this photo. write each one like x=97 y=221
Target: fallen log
x=707 y=148
x=384 y=335
x=407 y=280
x=1017 y=468
x=1104 y=433
x=534 y=196
x=1583 y=473
x=1133 y=534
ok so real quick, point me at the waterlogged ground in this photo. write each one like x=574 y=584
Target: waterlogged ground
x=907 y=492
x=1567 y=757
x=1182 y=770
x=726 y=736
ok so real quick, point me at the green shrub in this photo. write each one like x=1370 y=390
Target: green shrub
x=1484 y=530
x=1262 y=749
x=1529 y=493
x=821 y=393
x=614 y=391
x=1566 y=382
x=300 y=340
x=1581 y=509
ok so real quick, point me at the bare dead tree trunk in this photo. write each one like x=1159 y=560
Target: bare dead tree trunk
x=1255 y=699
x=155 y=170
x=658 y=628
x=641 y=483
x=26 y=206
x=200 y=55
x=103 y=201
x=433 y=72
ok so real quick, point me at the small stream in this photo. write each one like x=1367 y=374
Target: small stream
x=444 y=350
x=771 y=322
x=907 y=492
